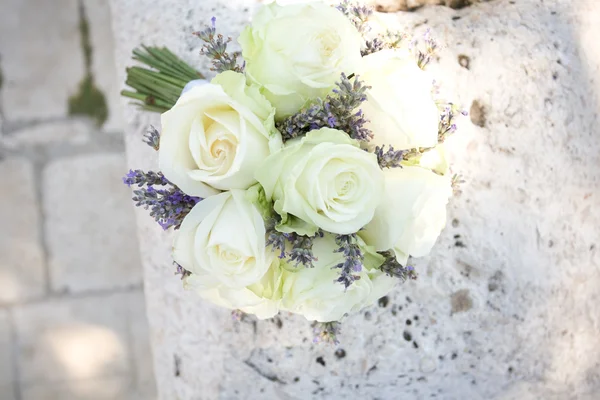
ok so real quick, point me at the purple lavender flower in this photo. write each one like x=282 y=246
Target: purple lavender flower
x=301 y=246
x=167 y=206
x=389 y=158
x=141 y=178
x=393 y=268
x=338 y=110
x=152 y=138
x=327 y=332
x=301 y=251
x=215 y=47
x=447 y=123
x=357 y=14
x=353 y=259
x=181 y=271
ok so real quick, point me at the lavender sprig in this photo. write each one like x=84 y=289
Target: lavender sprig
x=447 y=125
x=389 y=158
x=301 y=246
x=181 y=271
x=457 y=181
x=141 y=178
x=327 y=332
x=167 y=206
x=357 y=14
x=389 y=40
x=152 y=138
x=353 y=259
x=337 y=110
x=424 y=56
x=393 y=268
x=302 y=250
x=215 y=47
x=275 y=238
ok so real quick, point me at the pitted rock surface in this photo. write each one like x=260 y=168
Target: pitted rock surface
x=522 y=239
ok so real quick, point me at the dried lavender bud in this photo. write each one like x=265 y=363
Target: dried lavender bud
x=424 y=56
x=141 y=178
x=181 y=271
x=373 y=46
x=237 y=315
x=390 y=158
x=337 y=110
x=216 y=48
x=152 y=138
x=457 y=181
x=393 y=268
x=353 y=259
x=357 y=14
x=327 y=332
x=447 y=125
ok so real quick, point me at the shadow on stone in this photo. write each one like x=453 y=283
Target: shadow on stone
x=89 y=100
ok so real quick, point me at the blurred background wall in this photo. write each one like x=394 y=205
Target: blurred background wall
x=72 y=313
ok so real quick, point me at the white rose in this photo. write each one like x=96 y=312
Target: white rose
x=261 y=298
x=224 y=236
x=323 y=180
x=314 y=292
x=216 y=135
x=399 y=105
x=412 y=212
x=297 y=52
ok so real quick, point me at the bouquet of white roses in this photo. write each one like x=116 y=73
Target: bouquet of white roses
x=305 y=177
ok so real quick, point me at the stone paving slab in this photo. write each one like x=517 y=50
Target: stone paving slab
x=68 y=132
x=90 y=227
x=121 y=388
x=89 y=389
x=22 y=272
x=42 y=59
x=140 y=344
x=103 y=61
x=6 y=365
x=71 y=345
x=72 y=339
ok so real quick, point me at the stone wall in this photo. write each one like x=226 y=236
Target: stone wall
x=506 y=305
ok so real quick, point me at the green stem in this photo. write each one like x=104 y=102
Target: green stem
x=158 y=87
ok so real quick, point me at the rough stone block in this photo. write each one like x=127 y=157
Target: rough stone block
x=22 y=272
x=42 y=62
x=521 y=242
x=90 y=227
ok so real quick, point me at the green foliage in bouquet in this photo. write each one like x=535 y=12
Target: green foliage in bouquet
x=158 y=87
